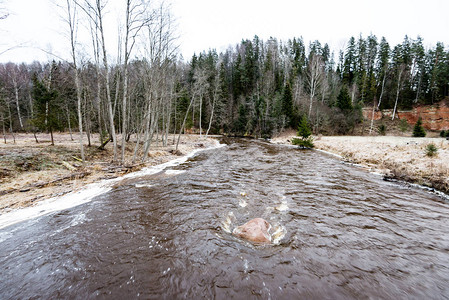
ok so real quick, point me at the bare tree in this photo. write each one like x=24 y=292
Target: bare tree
x=314 y=78
x=12 y=73
x=215 y=97
x=95 y=12
x=401 y=70
x=136 y=19
x=160 y=52
x=72 y=23
x=3 y=12
x=200 y=87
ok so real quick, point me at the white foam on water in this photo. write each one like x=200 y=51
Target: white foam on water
x=143 y=185
x=226 y=224
x=174 y=172
x=245 y=266
x=278 y=234
x=242 y=203
x=85 y=195
x=283 y=206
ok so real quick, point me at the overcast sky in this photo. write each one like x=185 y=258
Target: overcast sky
x=204 y=24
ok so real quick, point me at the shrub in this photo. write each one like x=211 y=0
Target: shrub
x=431 y=150
x=403 y=125
x=418 y=130
x=382 y=129
x=444 y=133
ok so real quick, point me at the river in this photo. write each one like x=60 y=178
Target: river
x=341 y=233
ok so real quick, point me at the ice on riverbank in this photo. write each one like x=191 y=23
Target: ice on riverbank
x=85 y=195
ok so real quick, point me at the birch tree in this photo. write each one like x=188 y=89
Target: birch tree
x=72 y=23
x=135 y=21
x=314 y=78
x=95 y=12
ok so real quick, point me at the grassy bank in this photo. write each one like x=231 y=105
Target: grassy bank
x=30 y=171
x=396 y=157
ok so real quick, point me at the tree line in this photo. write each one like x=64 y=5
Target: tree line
x=255 y=88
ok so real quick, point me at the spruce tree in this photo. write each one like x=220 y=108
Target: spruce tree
x=304 y=129
x=287 y=102
x=305 y=133
x=418 y=130
x=344 y=100
x=46 y=108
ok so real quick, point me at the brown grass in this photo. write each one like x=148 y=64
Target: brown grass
x=30 y=172
x=398 y=157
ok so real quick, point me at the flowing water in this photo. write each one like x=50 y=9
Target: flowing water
x=339 y=233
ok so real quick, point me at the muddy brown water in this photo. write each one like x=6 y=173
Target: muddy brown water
x=348 y=234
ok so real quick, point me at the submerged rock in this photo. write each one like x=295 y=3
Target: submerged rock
x=255 y=230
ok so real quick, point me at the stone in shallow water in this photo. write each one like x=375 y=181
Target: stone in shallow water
x=255 y=230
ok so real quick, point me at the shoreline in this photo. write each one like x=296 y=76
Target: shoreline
x=61 y=174
x=399 y=159
x=89 y=191
x=395 y=158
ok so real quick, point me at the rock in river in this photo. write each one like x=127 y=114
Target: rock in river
x=255 y=230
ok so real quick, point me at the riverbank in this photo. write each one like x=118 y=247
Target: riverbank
x=395 y=157
x=31 y=172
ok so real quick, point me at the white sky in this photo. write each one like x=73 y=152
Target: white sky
x=205 y=24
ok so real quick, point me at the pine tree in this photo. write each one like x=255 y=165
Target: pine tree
x=418 y=130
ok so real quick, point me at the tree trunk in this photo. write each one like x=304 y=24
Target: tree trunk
x=353 y=94
x=184 y=122
x=381 y=91
x=372 y=118
x=397 y=92
x=16 y=92
x=201 y=107
x=71 y=15
x=213 y=107
x=51 y=135
x=99 y=17
x=418 y=90
x=124 y=107
x=10 y=123
x=69 y=123
x=4 y=129
x=96 y=47
x=87 y=121
x=310 y=106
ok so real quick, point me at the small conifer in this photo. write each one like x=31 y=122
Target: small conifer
x=418 y=130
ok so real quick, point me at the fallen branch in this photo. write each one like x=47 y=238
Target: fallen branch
x=76 y=158
x=68 y=166
x=68 y=177
x=101 y=147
